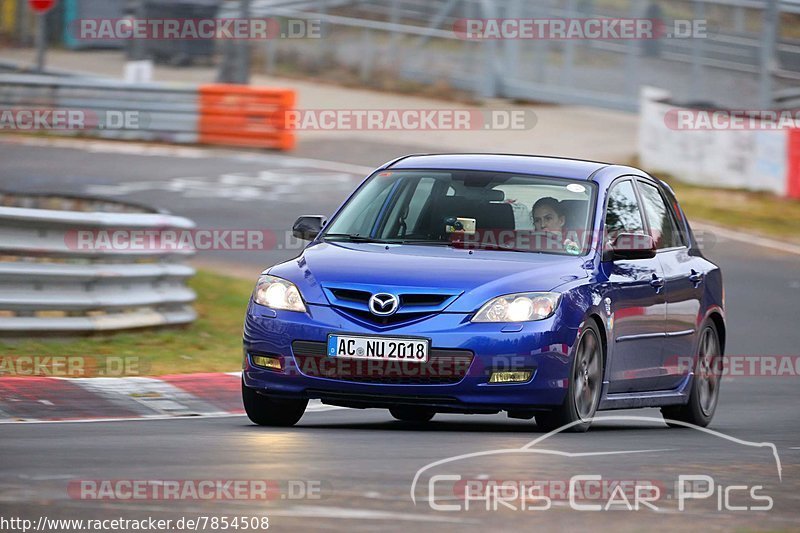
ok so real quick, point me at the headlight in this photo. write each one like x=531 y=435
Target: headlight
x=278 y=293
x=523 y=307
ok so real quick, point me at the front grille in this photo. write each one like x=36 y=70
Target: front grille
x=351 y=295
x=417 y=304
x=410 y=300
x=444 y=367
x=391 y=320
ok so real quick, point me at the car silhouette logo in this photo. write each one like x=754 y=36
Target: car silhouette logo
x=383 y=304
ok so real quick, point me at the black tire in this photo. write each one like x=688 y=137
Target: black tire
x=703 y=399
x=585 y=385
x=412 y=414
x=266 y=411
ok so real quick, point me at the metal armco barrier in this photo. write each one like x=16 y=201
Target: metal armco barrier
x=111 y=109
x=246 y=116
x=228 y=115
x=48 y=283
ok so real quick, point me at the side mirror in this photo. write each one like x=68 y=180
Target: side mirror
x=629 y=246
x=307 y=227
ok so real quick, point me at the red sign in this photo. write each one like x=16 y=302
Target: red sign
x=41 y=6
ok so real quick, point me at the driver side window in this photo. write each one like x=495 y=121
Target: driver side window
x=622 y=214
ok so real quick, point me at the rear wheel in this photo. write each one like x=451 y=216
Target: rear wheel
x=412 y=414
x=266 y=411
x=705 y=386
x=583 y=394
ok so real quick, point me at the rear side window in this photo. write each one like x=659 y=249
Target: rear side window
x=659 y=217
x=623 y=214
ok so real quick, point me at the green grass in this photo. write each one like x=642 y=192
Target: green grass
x=213 y=343
x=753 y=212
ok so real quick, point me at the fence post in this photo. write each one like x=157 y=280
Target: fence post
x=698 y=69
x=489 y=85
x=768 y=38
x=366 y=55
x=632 y=60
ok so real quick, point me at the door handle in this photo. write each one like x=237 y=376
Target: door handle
x=657 y=283
x=696 y=278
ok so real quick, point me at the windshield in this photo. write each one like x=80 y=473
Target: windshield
x=489 y=210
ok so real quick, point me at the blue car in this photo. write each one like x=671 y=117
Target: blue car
x=480 y=283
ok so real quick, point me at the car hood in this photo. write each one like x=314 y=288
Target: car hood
x=475 y=277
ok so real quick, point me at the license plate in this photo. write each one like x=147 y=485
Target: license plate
x=382 y=348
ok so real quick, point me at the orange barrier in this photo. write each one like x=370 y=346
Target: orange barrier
x=240 y=115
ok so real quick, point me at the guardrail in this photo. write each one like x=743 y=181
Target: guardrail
x=228 y=115
x=48 y=284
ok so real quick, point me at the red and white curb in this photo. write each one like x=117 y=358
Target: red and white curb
x=51 y=399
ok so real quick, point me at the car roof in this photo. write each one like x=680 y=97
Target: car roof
x=576 y=169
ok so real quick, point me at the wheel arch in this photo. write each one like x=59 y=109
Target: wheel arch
x=719 y=323
x=593 y=316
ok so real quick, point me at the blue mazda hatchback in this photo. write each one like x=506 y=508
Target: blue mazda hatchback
x=475 y=283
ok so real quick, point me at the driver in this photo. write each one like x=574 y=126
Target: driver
x=549 y=216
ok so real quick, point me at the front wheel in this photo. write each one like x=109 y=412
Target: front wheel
x=412 y=414
x=586 y=381
x=266 y=411
x=699 y=410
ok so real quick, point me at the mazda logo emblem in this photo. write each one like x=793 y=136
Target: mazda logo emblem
x=383 y=304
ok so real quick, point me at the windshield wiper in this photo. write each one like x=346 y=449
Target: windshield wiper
x=428 y=242
x=459 y=244
x=494 y=247
x=351 y=237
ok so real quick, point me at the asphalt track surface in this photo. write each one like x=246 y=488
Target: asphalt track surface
x=358 y=466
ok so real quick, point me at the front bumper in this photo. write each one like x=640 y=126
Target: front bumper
x=543 y=347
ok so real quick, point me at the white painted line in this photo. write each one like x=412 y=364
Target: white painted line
x=151 y=393
x=50 y=477
x=323 y=408
x=747 y=238
x=122 y=419
x=312 y=408
x=296 y=511
x=291 y=161
x=187 y=152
